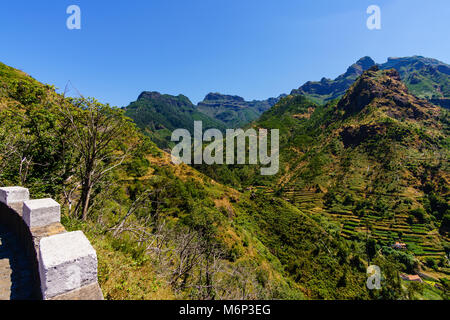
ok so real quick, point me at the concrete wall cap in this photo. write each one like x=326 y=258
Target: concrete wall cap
x=10 y=195
x=41 y=213
x=37 y=204
x=65 y=247
x=67 y=262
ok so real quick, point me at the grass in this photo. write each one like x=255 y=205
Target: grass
x=121 y=276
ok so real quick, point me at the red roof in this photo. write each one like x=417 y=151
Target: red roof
x=399 y=245
x=409 y=277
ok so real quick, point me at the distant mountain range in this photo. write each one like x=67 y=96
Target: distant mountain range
x=234 y=111
x=425 y=78
x=159 y=114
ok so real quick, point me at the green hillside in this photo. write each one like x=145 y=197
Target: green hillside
x=164 y=231
x=157 y=115
x=425 y=77
x=375 y=162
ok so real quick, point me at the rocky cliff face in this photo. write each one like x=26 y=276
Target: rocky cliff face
x=385 y=92
x=217 y=100
x=234 y=111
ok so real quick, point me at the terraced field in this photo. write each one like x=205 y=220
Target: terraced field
x=421 y=241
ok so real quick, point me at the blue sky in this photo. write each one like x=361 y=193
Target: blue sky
x=252 y=48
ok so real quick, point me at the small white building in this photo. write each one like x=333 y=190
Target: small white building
x=399 y=245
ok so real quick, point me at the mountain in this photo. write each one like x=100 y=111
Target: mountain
x=234 y=111
x=425 y=77
x=328 y=89
x=158 y=115
x=374 y=162
x=164 y=231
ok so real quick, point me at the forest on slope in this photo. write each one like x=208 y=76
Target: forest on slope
x=165 y=231
x=374 y=162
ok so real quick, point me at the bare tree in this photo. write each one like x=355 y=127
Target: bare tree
x=142 y=202
x=104 y=139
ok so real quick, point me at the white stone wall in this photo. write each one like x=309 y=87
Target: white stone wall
x=67 y=261
x=41 y=213
x=13 y=195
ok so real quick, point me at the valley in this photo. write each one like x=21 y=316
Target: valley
x=359 y=175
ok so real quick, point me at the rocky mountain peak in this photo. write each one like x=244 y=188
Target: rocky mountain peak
x=149 y=95
x=222 y=97
x=384 y=90
x=360 y=66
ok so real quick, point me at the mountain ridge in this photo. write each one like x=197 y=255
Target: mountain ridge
x=425 y=77
x=234 y=111
x=157 y=115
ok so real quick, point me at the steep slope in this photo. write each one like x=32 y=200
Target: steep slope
x=376 y=162
x=234 y=111
x=157 y=115
x=165 y=231
x=425 y=77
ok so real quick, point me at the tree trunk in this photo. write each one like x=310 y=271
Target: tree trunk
x=86 y=203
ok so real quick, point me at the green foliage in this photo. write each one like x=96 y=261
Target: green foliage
x=419 y=214
x=406 y=259
x=445 y=225
x=371 y=247
x=309 y=255
x=363 y=161
x=158 y=115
